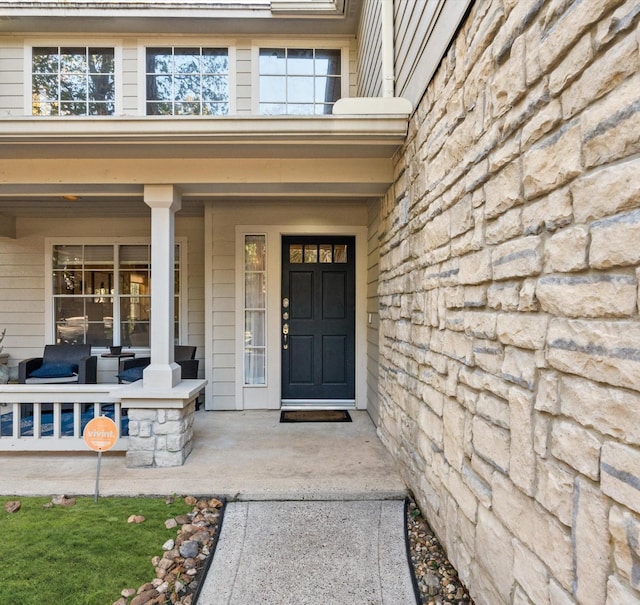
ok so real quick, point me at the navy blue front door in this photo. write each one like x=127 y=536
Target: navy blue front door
x=318 y=319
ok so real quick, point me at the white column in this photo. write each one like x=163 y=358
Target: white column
x=164 y=201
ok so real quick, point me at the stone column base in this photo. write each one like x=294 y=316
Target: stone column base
x=160 y=423
x=160 y=437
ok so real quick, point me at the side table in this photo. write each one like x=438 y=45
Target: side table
x=119 y=357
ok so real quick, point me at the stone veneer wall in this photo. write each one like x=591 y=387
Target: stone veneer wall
x=510 y=335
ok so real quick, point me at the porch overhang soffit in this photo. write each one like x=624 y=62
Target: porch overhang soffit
x=324 y=156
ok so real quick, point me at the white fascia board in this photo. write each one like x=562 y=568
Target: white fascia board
x=308 y=7
x=356 y=128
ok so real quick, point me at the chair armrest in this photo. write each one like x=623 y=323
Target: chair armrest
x=26 y=366
x=189 y=368
x=88 y=370
x=136 y=362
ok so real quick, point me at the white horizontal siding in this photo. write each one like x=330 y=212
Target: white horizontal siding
x=130 y=79
x=11 y=78
x=23 y=305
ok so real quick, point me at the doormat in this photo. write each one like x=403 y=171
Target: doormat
x=315 y=416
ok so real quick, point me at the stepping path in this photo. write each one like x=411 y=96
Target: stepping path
x=311 y=553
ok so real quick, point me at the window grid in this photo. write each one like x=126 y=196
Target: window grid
x=299 y=81
x=102 y=294
x=187 y=81
x=72 y=81
x=255 y=309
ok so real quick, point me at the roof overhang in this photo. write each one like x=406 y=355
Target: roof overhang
x=260 y=17
x=108 y=161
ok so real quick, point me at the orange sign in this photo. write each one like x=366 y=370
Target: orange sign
x=101 y=434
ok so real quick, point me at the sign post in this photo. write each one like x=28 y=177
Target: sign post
x=100 y=435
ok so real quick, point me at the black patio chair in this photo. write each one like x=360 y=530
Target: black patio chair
x=63 y=363
x=184 y=355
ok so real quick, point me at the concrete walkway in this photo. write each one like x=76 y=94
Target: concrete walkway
x=310 y=553
x=315 y=513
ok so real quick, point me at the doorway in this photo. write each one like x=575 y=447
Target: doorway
x=317 y=310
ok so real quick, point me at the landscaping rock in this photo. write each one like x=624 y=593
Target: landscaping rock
x=13 y=506
x=62 y=500
x=136 y=519
x=190 y=549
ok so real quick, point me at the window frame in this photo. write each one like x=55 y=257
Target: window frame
x=30 y=44
x=311 y=43
x=182 y=311
x=174 y=42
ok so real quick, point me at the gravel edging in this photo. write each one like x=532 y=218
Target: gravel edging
x=435 y=580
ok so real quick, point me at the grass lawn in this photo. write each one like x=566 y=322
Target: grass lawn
x=83 y=554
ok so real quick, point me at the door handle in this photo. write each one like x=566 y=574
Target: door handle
x=285 y=336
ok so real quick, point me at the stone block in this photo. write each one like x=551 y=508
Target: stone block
x=564 y=26
x=553 y=161
x=522 y=330
x=494 y=409
x=534 y=527
x=609 y=126
x=137 y=444
x=603 y=351
x=566 y=251
x=597 y=295
x=138 y=458
x=576 y=446
x=145 y=429
x=458 y=346
x=481 y=324
x=507 y=226
x=528 y=300
x=530 y=572
x=547 y=398
x=609 y=410
x=620 y=478
x=522 y=464
x=166 y=459
x=503 y=190
x=491 y=443
x=454 y=424
x=488 y=356
x=503 y=297
x=624 y=528
x=606 y=191
x=614 y=241
x=519 y=367
x=518 y=258
x=555 y=489
x=618 y=593
x=475 y=268
x=494 y=541
x=550 y=212
x=591 y=542
x=557 y=596
x=618 y=63
x=541 y=123
x=171 y=427
x=573 y=63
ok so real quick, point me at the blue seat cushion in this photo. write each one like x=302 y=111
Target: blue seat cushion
x=131 y=374
x=55 y=370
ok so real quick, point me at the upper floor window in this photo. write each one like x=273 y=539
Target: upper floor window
x=299 y=81
x=72 y=81
x=187 y=81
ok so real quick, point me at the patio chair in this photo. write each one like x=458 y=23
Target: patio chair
x=184 y=355
x=62 y=363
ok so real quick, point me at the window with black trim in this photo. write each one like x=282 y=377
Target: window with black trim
x=187 y=81
x=72 y=81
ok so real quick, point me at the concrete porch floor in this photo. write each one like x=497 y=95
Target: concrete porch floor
x=246 y=455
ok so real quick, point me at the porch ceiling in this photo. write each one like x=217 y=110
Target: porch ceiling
x=107 y=162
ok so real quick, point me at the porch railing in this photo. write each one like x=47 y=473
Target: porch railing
x=52 y=417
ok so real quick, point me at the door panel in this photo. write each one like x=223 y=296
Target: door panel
x=318 y=319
